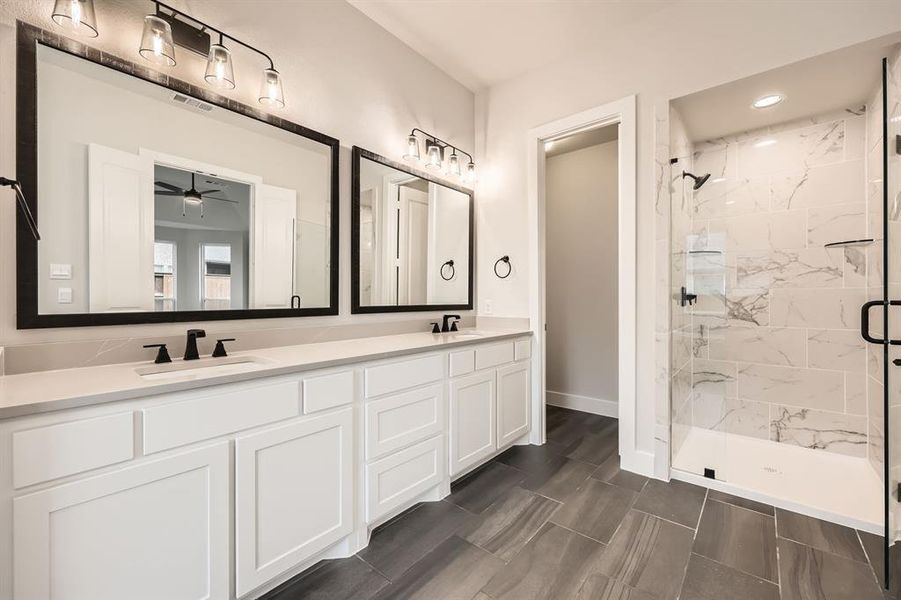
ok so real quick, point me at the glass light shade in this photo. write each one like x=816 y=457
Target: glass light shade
x=76 y=16
x=156 y=42
x=412 y=152
x=470 y=173
x=434 y=157
x=271 y=92
x=453 y=165
x=219 y=70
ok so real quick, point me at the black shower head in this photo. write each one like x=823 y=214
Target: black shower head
x=699 y=181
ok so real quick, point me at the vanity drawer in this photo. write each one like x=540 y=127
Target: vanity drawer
x=403 y=375
x=494 y=355
x=47 y=453
x=395 y=421
x=522 y=349
x=220 y=412
x=397 y=479
x=328 y=391
x=462 y=362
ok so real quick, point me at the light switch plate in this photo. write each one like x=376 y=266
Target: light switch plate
x=60 y=271
x=64 y=295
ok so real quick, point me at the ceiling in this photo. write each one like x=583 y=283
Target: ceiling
x=578 y=141
x=482 y=43
x=830 y=82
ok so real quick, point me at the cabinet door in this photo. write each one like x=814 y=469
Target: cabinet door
x=472 y=419
x=293 y=495
x=513 y=394
x=159 y=529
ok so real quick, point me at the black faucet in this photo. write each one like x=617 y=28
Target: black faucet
x=453 y=326
x=191 y=346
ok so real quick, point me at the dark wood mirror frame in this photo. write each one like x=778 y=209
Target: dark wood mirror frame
x=27 y=316
x=356 y=308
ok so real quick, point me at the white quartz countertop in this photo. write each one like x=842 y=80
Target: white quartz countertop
x=45 y=391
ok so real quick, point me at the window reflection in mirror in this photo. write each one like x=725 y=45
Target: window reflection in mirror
x=157 y=202
x=413 y=239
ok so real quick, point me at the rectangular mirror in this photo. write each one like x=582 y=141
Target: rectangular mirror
x=412 y=239
x=158 y=201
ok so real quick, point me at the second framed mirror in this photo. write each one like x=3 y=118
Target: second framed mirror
x=412 y=239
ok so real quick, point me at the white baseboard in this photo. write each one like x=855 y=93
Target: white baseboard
x=595 y=406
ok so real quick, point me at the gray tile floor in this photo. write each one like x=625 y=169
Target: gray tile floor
x=562 y=521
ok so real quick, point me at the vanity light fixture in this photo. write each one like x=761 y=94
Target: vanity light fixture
x=76 y=16
x=220 y=73
x=453 y=164
x=156 y=41
x=412 y=152
x=768 y=101
x=168 y=27
x=436 y=153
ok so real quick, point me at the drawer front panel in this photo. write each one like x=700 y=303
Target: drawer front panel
x=462 y=362
x=522 y=349
x=403 y=375
x=328 y=391
x=396 y=421
x=219 y=413
x=47 y=453
x=397 y=479
x=494 y=355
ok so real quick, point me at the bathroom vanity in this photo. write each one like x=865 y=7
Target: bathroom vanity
x=226 y=478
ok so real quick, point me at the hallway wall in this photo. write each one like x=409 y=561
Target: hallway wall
x=581 y=278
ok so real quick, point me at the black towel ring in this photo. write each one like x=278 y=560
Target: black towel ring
x=453 y=271
x=504 y=259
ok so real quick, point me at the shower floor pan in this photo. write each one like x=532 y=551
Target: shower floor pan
x=834 y=487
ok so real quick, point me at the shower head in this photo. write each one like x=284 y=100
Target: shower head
x=699 y=181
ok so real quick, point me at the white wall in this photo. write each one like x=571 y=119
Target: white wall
x=581 y=251
x=344 y=75
x=685 y=48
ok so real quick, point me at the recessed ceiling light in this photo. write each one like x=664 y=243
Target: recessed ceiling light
x=768 y=101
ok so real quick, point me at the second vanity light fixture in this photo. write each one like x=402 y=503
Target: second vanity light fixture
x=436 y=155
x=166 y=28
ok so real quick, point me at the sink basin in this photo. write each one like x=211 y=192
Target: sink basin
x=465 y=336
x=204 y=367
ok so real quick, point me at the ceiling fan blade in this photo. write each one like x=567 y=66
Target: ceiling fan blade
x=206 y=197
x=169 y=193
x=209 y=191
x=168 y=186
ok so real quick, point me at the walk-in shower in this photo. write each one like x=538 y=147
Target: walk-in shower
x=775 y=391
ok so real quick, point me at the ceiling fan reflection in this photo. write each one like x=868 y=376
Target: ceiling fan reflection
x=191 y=196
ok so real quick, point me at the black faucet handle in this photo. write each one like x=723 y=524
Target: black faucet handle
x=162 y=355
x=198 y=333
x=219 y=350
x=435 y=327
x=454 y=325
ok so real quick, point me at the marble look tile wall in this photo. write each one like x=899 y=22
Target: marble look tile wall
x=773 y=340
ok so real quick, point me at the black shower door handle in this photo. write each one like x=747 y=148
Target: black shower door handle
x=865 y=321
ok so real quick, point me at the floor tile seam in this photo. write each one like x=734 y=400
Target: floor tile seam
x=772 y=516
x=376 y=569
x=532 y=536
x=650 y=514
x=830 y=552
x=751 y=510
x=869 y=560
x=742 y=571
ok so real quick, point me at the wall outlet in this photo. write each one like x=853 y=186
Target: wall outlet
x=487 y=306
x=64 y=295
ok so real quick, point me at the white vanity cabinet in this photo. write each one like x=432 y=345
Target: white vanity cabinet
x=293 y=494
x=157 y=529
x=221 y=492
x=490 y=407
